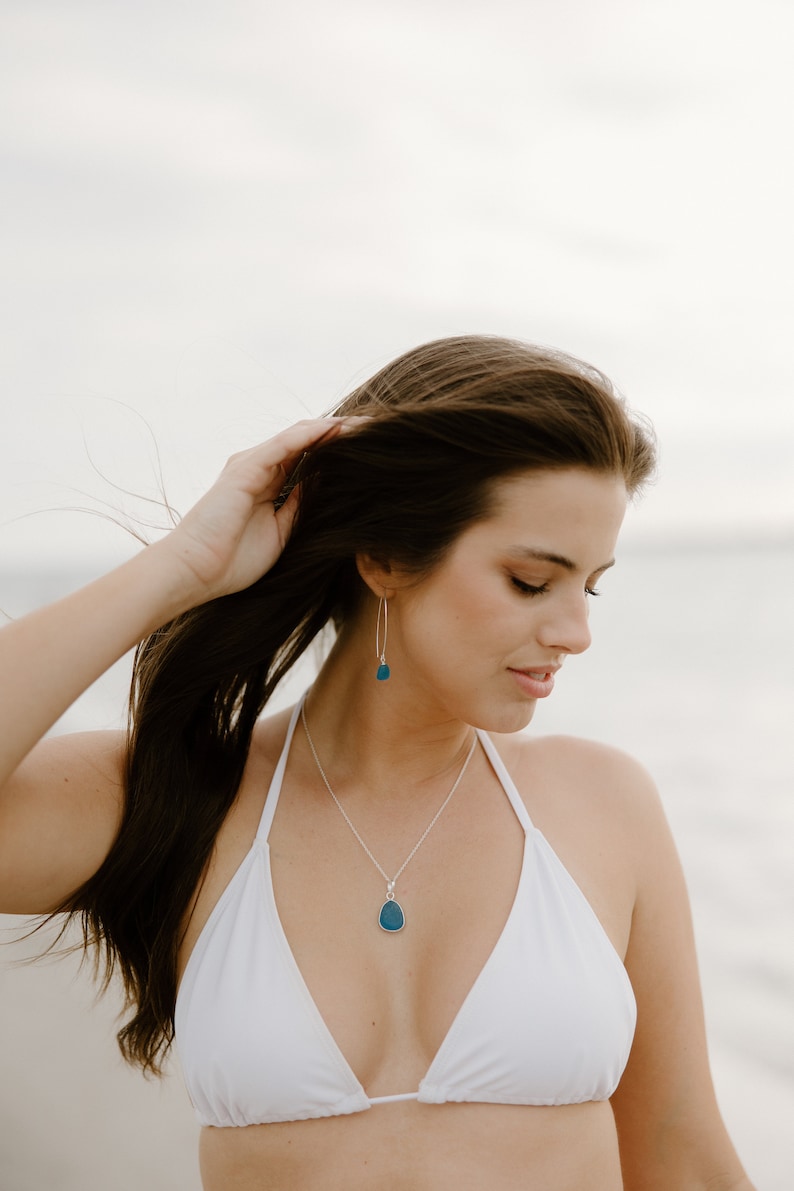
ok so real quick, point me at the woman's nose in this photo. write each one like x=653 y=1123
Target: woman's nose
x=567 y=629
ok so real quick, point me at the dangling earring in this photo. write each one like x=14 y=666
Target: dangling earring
x=383 y=611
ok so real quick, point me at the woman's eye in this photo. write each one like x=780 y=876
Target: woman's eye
x=529 y=589
x=533 y=589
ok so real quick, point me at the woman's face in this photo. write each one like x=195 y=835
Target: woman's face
x=481 y=637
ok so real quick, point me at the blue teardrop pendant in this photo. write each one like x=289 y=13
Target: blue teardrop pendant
x=391 y=917
x=383 y=673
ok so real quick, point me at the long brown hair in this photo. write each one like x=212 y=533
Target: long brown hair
x=446 y=421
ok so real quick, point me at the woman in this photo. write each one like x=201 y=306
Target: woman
x=388 y=930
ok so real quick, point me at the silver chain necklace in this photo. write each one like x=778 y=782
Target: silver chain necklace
x=392 y=916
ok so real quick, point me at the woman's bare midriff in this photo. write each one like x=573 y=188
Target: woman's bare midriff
x=408 y=1146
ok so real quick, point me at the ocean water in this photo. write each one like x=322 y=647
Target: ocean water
x=692 y=671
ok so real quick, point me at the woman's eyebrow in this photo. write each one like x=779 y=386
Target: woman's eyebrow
x=559 y=560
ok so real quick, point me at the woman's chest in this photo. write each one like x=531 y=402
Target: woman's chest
x=487 y=909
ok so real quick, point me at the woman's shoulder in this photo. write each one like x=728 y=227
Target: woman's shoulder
x=270 y=733
x=579 y=774
x=267 y=744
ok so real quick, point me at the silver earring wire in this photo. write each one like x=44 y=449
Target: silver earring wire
x=383 y=612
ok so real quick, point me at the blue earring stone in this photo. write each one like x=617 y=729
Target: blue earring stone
x=391 y=917
x=383 y=672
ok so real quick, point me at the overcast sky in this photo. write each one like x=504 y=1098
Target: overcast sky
x=217 y=216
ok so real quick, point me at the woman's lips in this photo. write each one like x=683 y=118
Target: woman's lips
x=538 y=684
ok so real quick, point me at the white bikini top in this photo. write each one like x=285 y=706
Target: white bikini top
x=549 y=1020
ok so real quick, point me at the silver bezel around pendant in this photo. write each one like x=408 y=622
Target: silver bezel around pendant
x=391 y=930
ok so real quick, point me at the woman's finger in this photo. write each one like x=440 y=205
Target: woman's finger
x=266 y=466
x=289 y=444
x=286 y=447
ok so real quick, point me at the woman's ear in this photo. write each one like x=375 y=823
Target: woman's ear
x=377 y=575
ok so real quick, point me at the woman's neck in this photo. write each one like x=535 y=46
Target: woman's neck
x=380 y=735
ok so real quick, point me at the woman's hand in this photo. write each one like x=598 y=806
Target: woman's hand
x=234 y=534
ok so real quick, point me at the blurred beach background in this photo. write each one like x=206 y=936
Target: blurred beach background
x=219 y=217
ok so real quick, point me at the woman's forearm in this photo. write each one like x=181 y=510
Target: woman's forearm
x=48 y=658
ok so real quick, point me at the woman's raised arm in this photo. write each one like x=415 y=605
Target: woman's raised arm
x=64 y=797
